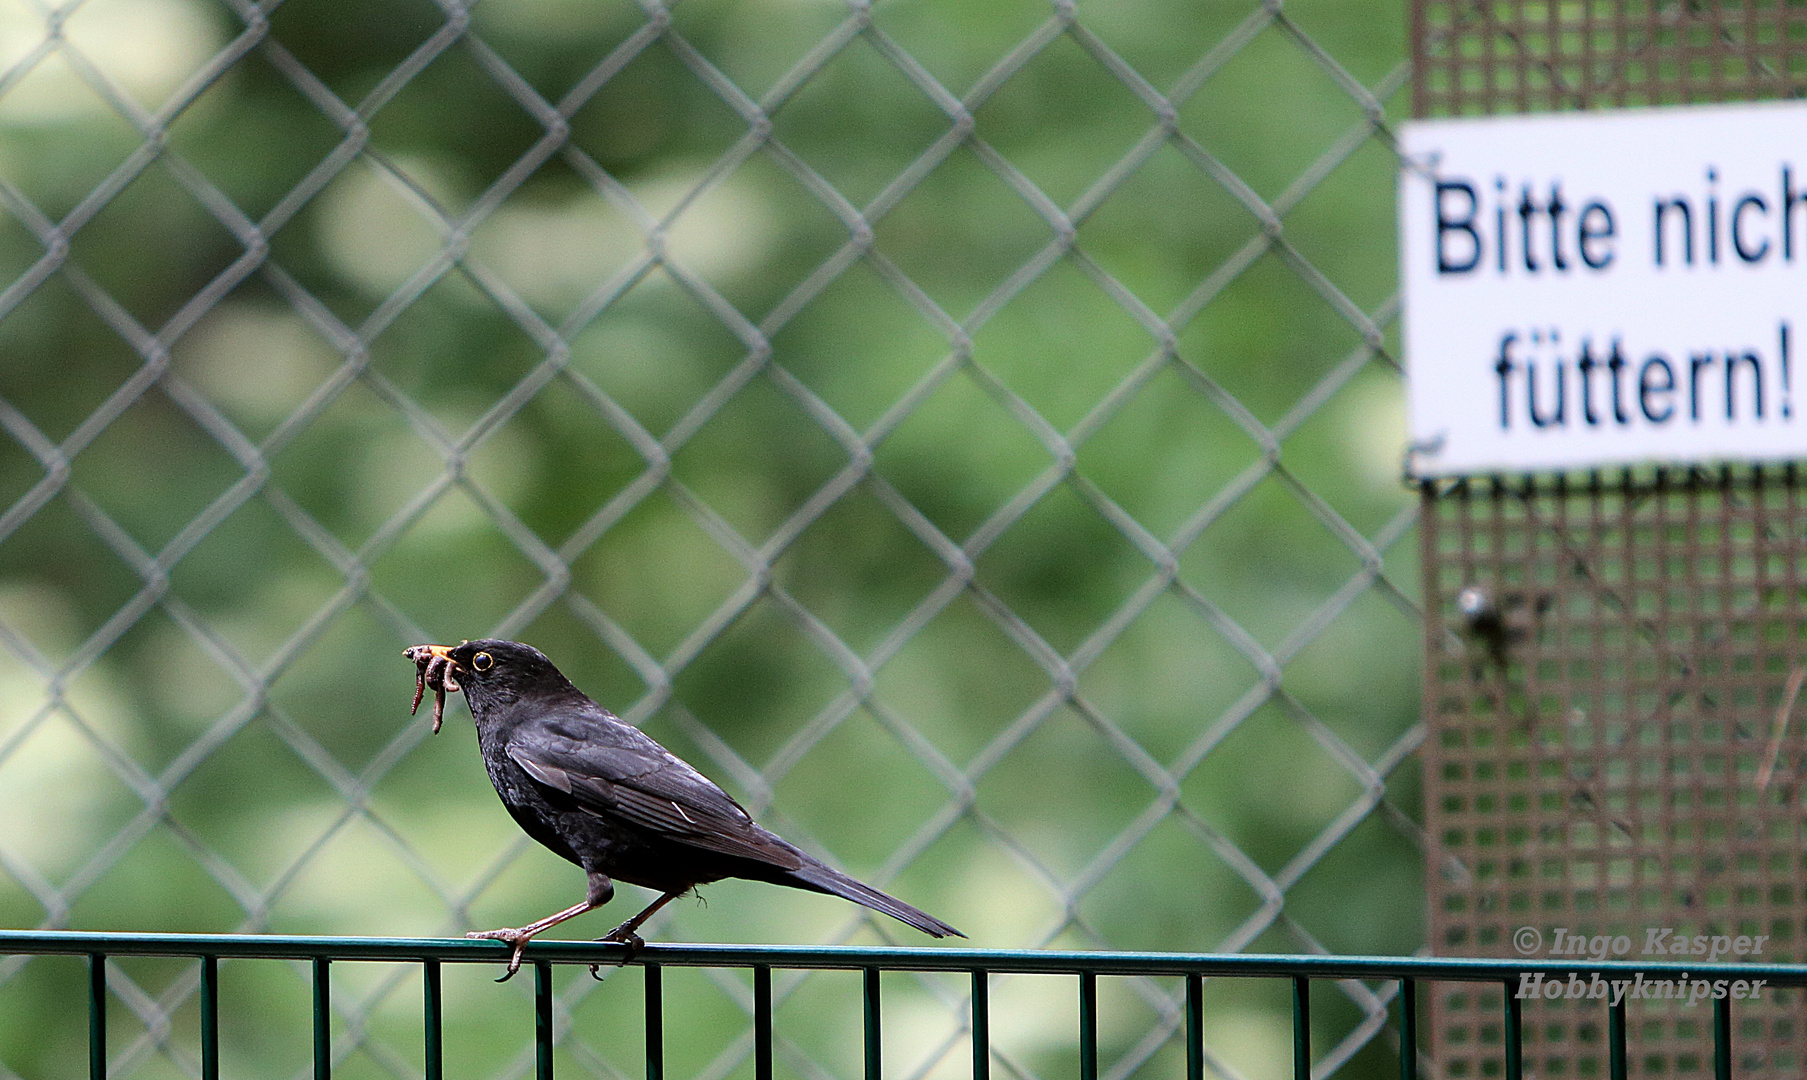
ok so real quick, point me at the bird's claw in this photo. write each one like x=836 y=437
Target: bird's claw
x=513 y=937
x=621 y=935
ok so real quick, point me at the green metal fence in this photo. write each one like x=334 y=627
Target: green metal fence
x=1519 y=980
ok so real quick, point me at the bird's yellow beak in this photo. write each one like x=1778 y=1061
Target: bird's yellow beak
x=426 y=654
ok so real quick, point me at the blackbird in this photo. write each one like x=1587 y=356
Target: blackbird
x=607 y=797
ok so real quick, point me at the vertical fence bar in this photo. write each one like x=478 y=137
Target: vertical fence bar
x=762 y=1022
x=1408 y=1030
x=1515 y=1036
x=1615 y=1041
x=1088 y=1025
x=542 y=1019
x=1195 y=1027
x=210 y=1018
x=1301 y=1028
x=433 y=1014
x=97 y=1016
x=981 y=1025
x=323 y=1019
x=654 y=987
x=874 y=1055
x=1722 y=1039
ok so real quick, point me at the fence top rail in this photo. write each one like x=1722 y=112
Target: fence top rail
x=1003 y=961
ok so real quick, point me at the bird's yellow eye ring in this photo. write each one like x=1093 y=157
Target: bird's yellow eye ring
x=482 y=662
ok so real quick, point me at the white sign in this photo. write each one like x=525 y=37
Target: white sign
x=1584 y=289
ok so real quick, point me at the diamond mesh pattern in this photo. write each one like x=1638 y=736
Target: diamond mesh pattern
x=1078 y=617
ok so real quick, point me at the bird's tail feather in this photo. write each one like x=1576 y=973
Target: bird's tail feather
x=821 y=878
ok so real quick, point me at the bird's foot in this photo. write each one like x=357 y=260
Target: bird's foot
x=515 y=936
x=621 y=935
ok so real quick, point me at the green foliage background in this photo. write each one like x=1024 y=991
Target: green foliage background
x=203 y=728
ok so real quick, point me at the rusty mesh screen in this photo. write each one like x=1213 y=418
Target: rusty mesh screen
x=1488 y=57
x=1610 y=751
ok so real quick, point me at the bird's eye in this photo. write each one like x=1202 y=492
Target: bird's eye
x=482 y=662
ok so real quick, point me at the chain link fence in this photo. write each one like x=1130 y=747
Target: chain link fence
x=971 y=433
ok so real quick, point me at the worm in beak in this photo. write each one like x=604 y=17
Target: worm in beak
x=434 y=668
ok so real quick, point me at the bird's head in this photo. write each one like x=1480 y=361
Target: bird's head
x=489 y=671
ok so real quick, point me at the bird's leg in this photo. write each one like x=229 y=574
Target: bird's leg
x=601 y=890
x=520 y=936
x=624 y=934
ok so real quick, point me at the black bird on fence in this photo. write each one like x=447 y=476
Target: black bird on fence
x=604 y=795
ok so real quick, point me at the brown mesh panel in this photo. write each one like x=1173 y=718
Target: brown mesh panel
x=1599 y=731
x=1599 y=740
x=1471 y=57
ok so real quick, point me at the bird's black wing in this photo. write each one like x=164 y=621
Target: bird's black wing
x=609 y=768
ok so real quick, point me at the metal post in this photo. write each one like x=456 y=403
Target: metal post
x=655 y=1021
x=97 y=1016
x=323 y=1020
x=1615 y=1038
x=1408 y=1030
x=1722 y=1038
x=433 y=1015
x=1515 y=1045
x=1301 y=1028
x=874 y=1057
x=542 y=1019
x=210 y=1018
x=981 y=1025
x=762 y=1022
x=1088 y=1026
x=1195 y=1027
